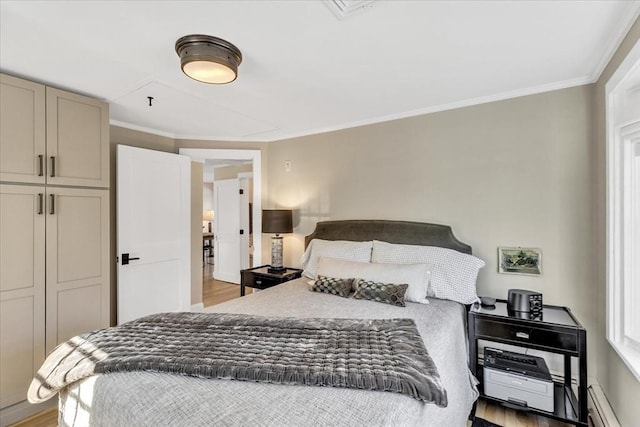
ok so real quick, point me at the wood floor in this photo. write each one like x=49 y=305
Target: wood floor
x=510 y=418
x=215 y=292
x=48 y=418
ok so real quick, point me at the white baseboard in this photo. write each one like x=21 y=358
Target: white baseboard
x=600 y=411
x=197 y=307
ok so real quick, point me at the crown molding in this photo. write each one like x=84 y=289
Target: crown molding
x=534 y=90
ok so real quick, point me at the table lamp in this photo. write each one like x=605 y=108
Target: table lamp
x=277 y=221
x=208 y=216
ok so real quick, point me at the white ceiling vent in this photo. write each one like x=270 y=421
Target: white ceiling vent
x=343 y=9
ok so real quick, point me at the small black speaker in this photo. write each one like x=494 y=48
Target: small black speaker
x=524 y=301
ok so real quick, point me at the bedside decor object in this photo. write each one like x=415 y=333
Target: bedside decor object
x=208 y=59
x=520 y=261
x=488 y=301
x=277 y=221
x=525 y=301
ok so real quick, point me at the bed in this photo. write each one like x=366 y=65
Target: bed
x=153 y=398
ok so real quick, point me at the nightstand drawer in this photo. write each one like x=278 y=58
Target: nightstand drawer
x=261 y=282
x=258 y=281
x=262 y=278
x=527 y=334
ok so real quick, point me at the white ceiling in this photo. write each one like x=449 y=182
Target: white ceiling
x=304 y=70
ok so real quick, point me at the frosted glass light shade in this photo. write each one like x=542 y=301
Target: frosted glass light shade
x=209 y=72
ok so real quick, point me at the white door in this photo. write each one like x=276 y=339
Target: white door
x=153 y=232
x=226 y=201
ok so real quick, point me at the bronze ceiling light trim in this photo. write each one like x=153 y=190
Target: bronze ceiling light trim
x=208 y=59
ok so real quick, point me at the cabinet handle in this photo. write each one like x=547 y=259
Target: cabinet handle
x=40 y=165
x=53 y=166
x=522 y=335
x=40 y=202
x=258 y=282
x=52 y=208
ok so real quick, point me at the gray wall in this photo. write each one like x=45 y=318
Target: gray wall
x=231 y=172
x=517 y=172
x=619 y=384
x=196 y=233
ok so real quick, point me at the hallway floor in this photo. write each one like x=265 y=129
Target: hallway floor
x=216 y=291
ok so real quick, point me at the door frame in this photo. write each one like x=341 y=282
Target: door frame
x=243 y=178
x=202 y=154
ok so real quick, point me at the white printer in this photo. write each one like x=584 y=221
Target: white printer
x=518 y=378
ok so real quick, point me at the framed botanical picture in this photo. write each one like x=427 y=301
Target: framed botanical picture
x=520 y=261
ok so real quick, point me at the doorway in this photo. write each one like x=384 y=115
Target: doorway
x=244 y=168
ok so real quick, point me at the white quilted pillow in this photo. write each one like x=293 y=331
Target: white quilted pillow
x=414 y=275
x=341 y=249
x=453 y=274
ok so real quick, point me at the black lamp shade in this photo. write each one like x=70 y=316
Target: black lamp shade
x=277 y=221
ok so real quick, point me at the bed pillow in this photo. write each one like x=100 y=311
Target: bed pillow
x=333 y=285
x=414 y=275
x=388 y=293
x=453 y=274
x=342 y=249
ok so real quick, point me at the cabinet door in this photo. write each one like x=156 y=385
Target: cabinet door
x=22 y=289
x=22 y=130
x=77 y=140
x=78 y=294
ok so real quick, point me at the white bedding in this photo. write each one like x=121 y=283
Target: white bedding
x=152 y=399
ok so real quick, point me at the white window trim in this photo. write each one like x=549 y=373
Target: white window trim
x=619 y=252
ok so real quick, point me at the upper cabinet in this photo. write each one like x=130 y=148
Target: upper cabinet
x=77 y=140
x=53 y=137
x=22 y=130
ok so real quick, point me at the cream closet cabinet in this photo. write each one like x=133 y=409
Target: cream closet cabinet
x=49 y=136
x=54 y=228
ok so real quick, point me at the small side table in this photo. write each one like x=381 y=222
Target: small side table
x=260 y=278
x=558 y=331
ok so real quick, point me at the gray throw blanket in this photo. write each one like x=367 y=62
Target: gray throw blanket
x=383 y=355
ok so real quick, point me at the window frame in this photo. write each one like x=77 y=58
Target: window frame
x=623 y=140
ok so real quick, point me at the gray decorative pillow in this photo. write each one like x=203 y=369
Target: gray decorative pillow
x=332 y=285
x=388 y=293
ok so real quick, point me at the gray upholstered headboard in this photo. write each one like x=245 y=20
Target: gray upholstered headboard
x=403 y=232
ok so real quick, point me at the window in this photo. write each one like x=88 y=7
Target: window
x=623 y=210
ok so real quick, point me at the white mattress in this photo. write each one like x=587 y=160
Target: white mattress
x=152 y=399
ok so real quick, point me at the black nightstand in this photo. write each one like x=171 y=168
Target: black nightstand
x=558 y=331
x=260 y=278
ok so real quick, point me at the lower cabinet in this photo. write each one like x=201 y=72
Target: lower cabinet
x=54 y=275
x=22 y=289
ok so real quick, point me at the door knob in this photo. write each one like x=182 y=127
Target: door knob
x=126 y=258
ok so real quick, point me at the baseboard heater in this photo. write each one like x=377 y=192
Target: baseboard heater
x=600 y=412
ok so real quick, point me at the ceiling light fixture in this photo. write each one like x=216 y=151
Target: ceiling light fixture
x=208 y=59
